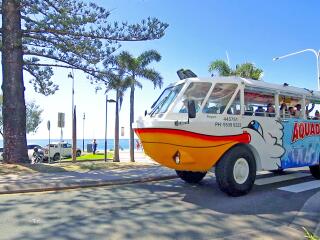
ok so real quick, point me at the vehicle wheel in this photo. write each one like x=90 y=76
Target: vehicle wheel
x=191 y=177
x=315 y=171
x=78 y=154
x=56 y=157
x=236 y=171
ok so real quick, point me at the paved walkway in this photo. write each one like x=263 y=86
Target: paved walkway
x=17 y=183
x=139 y=157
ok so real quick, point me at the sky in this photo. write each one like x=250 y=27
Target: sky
x=198 y=33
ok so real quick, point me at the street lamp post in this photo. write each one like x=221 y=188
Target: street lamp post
x=84 y=118
x=71 y=75
x=105 y=133
x=316 y=53
x=74 y=134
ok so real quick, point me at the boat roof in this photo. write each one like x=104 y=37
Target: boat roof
x=265 y=86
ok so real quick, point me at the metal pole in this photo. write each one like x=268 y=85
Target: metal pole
x=49 y=160
x=72 y=76
x=318 y=69
x=74 y=135
x=61 y=137
x=84 y=117
x=105 y=133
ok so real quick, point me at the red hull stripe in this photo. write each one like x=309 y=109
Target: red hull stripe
x=243 y=138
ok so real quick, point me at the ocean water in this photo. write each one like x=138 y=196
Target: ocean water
x=123 y=143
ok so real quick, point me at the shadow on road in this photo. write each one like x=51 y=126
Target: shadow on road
x=163 y=210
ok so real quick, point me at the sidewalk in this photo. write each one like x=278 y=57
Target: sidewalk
x=37 y=182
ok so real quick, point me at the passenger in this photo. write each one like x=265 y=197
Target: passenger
x=184 y=108
x=291 y=112
x=298 y=113
x=249 y=111
x=260 y=111
x=308 y=111
x=283 y=109
x=222 y=108
x=270 y=110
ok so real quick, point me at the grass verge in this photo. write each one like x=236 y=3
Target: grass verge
x=68 y=167
x=91 y=157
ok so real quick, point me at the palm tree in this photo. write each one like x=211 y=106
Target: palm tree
x=245 y=70
x=221 y=67
x=119 y=83
x=137 y=68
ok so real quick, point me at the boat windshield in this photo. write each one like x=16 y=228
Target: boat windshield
x=165 y=99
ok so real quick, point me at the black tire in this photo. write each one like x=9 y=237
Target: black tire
x=191 y=177
x=315 y=171
x=78 y=154
x=279 y=171
x=56 y=157
x=225 y=171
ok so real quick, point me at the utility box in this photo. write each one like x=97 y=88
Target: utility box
x=89 y=148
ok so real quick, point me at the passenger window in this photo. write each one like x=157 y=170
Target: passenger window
x=219 y=98
x=290 y=107
x=195 y=91
x=235 y=107
x=312 y=110
x=259 y=104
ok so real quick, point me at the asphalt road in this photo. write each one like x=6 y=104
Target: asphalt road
x=158 y=210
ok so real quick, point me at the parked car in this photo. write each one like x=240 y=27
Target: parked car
x=30 y=151
x=59 y=149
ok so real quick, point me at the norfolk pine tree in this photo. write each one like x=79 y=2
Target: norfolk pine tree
x=37 y=35
x=33 y=116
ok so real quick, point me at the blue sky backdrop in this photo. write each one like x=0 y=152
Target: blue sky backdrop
x=199 y=32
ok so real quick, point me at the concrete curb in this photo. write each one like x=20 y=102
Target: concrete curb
x=88 y=184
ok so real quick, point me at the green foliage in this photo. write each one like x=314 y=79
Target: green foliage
x=248 y=70
x=74 y=34
x=221 y=67
x=132 y=69
x=245 y=70
x=117 y=79
x=309 y=235
x=136 y=68
x=33 y=116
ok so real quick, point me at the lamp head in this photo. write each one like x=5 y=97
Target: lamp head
x=70 y=75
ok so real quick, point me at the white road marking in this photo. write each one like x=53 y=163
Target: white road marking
x=301 y=187
x=281 y=178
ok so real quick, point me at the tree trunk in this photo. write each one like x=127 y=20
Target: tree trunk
x=116 y=133
x=131 y=121
x=14 y=108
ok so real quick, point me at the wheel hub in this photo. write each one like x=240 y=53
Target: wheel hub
x=241 y=170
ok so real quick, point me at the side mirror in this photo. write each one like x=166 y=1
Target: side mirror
x=191 y=109
x=145 y=113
